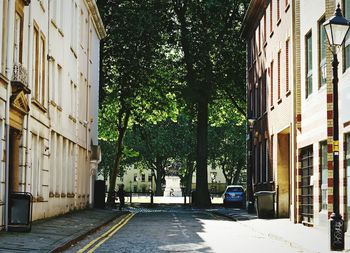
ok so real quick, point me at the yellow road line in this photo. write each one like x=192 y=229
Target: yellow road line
x=120 y=223
x=111 y=234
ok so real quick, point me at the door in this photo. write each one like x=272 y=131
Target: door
x=307 y=208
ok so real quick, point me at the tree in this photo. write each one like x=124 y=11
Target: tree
x=131 y=54
x=208 y=33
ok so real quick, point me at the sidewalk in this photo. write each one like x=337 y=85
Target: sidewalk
x=53 y=234
x=307 y=239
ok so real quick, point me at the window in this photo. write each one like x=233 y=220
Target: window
x=256 y=167
x=59 y=85
x=324 y=175
x=259 y=97
x=256 y=100
x=52 y=163
x=39 y=66
x=143 y=177
x=270 y=167
x=18 y=38
x=322 y=53
x=346 y=9
x=263 y=162
x=308 y=49
x=53 y=81
x=278 y=11
x=149 y=178
x=260 y=165
x=259 y=37
x=81 y=23
x=271 y=84
x=74 y=13
x=264 y=35
x=271 y=19
x=286 y=2
x=3 y=24
x=37 y=165
x=135 y=177
x=267 y=160
x=73 y=98
x=264 y=93
x=287 y=64
x=279 y=75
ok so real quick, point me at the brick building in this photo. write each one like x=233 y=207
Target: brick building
x=289 y=73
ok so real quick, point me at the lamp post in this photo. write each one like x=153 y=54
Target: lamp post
x=251 y=123
x=152 y=176
x=336 y=29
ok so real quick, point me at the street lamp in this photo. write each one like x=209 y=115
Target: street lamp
x=336 y=29
x=152 y=176
x=251 y=122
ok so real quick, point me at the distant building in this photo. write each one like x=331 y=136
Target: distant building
x=49 y=83
x=141 y=180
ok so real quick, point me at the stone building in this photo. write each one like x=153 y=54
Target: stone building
x=309 y=143
x=49 y=82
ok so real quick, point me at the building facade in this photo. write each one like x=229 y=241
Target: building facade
x=268 y=30
x=299 y=83
x=137 y=180
x=48 y=103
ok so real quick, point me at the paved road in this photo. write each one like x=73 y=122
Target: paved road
x=180 y=230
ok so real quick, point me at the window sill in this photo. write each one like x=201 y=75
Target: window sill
x=271 y=34
x=287 y=7
x=53 y=22
x=70 y=195
x=279 y=21
x=39 y=105
x=279 y=101
x=3 y=78
x=61 y=32
x=74 y=53
x=72 y=118
x=346 y=124
x=288 y=93
x=42 y=5
x=38 y=199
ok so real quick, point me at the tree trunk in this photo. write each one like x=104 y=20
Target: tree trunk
x=116 y=168
x=202 y=197
x=159 y=191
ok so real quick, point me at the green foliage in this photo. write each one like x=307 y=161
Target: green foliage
x=163 y=63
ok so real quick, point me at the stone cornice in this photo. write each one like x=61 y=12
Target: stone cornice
x=101 y=31
x=252 y=16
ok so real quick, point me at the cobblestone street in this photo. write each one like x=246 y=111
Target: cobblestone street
x=178 y=229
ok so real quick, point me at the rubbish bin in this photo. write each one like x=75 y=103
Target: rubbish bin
x=264 y=202
x=20 y=212
x=99 y=194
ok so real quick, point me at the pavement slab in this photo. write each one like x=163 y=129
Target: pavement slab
x=56 y=233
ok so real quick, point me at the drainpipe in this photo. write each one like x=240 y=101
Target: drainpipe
x=9 y=68
x=29 y=96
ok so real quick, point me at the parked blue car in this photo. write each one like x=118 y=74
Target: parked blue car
x=234 y=195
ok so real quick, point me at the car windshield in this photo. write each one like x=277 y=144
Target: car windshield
x=234 y=189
